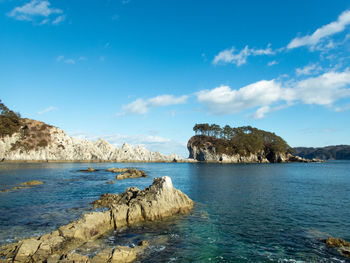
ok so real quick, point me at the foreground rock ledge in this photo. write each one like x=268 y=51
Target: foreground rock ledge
x=156 y=202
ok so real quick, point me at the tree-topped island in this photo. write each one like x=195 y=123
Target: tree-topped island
x=238 y=145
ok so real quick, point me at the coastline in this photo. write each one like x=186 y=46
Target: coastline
x=96 y=161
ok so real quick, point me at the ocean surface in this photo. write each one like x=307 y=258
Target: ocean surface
x=243 y=212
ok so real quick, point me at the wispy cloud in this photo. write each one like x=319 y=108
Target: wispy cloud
x=272 y=63
x=310 y=69
x=141 y=106
x=47 y=110
x=36 y=10
x=71 y=61
x=322 y=33
x=59 y=19
x=232 y=56
x=270 y=95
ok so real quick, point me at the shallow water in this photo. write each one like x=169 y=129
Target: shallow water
x=243 y=213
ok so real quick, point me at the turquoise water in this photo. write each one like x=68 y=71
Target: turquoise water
x=243 y=213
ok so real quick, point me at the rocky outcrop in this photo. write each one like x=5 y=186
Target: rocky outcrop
x=124 y=173
x=23 y=186
x=42 y=142
x=342 y=246
x=156 y=202
x=207 y=152
x=32 y=183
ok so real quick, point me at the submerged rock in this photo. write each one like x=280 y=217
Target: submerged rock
x=156 y=202
x=110 y=182
x=24 y=185
x=127 y=173
x=31 y=183
x=14 y=188
x=90 y=169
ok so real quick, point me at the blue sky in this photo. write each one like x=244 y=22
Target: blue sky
x=145 y=72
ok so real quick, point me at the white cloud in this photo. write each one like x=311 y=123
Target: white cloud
x=269 y=95
x=324 y=89
x=224 y=100
x=49 y=109
x=322 y=32
x=239 y=58
x=272 y=63
x=261 y=112
x=59 y=19
x=36 y=9
x=141 y=106
x=310 y=69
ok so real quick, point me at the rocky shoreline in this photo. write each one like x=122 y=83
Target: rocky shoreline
x=134 y=206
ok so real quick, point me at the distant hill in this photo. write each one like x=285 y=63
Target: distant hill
x=336 y=152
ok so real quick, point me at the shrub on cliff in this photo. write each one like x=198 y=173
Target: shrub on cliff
x=10 y=122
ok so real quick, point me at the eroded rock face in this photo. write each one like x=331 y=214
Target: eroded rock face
x=156 y=202
x=60 y=147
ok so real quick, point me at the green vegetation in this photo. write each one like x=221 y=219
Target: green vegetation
x=10 y=122
x=241 y=140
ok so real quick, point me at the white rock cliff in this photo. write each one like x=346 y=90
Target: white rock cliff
x=64 y=148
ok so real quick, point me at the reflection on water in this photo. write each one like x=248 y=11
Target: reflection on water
x=243 y=213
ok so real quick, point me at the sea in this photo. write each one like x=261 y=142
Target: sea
x=242 y=212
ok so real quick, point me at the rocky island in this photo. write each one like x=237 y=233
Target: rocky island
x=134 y=206
x=239 y=145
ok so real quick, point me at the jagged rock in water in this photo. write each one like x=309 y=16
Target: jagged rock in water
x=47 y=143
x=156 y=202
x=31 y=183
x=24 y=185
x=342 y=246
x=127 y=173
